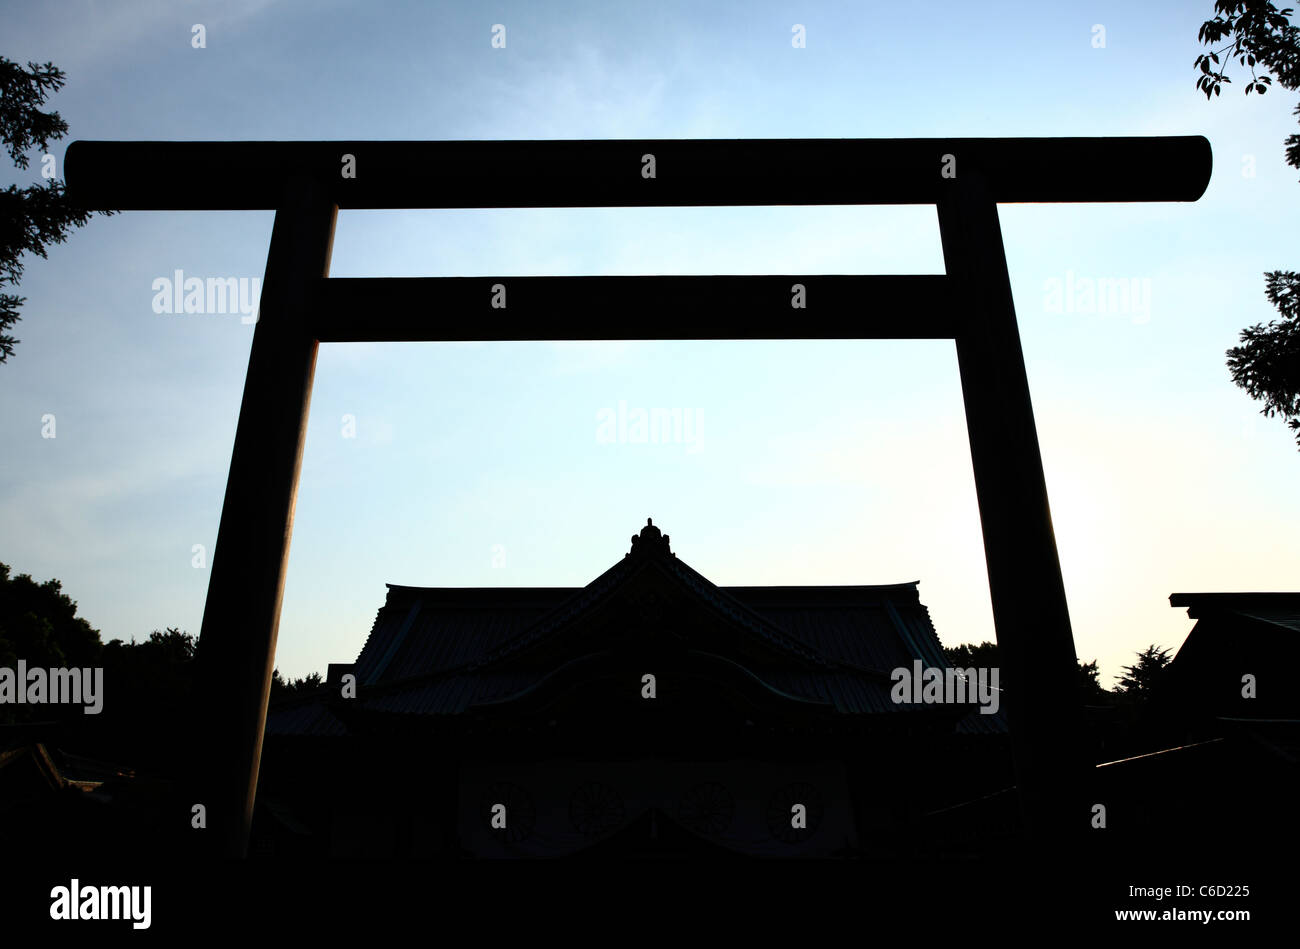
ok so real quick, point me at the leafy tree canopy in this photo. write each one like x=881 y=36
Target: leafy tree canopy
x=34 y=217
x=282 y=688
x=1267 y=363
x=1142 y=678
x=985 y=655
x=39 y=623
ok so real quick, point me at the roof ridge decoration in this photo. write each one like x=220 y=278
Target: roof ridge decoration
x=649 y=542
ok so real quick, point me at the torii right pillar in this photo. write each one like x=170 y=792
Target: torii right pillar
x=1035 y=643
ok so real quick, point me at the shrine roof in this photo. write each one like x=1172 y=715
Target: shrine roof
x=443 y=650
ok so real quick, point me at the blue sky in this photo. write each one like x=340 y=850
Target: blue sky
x=481 y=464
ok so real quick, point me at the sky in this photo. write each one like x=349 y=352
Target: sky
x=807 y=462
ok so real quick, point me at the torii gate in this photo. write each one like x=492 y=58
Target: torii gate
x=306 y=183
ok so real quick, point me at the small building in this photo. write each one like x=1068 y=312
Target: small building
x=1239 y=660
x=1219 y=774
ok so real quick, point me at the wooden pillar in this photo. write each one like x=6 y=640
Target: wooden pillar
x=236 y=651
x=1036 y=648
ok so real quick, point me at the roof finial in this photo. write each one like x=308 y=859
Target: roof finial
x=650 y=540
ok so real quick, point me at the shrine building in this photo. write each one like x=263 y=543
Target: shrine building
x=647 y=714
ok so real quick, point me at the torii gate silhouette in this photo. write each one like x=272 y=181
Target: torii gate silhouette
x=306 y=183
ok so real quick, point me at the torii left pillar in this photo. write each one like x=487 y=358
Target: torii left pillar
x=236 y=655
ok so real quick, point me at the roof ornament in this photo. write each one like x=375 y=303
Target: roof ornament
x=650 y=541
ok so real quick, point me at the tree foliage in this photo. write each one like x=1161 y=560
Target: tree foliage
x=283 y=688
x=1141 y=679
x=1261 y=36
x=985 y=655
x=153 y=678
x=970 y=656
x=39 y=623
x=1090 y=682
x=34 y=217
x=163 y=648
x=1267 y=363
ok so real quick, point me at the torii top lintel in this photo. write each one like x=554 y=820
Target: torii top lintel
x=617 y=173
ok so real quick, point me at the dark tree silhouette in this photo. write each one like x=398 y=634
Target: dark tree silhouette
x=1141 y=679
x=33 y=217
x=1267 y=363
x=985 y=655
x=148 y=689
x=1090 y=682
x=39 y=623
x=146 y=685
x=282 y=688
x=968 y=656
x=166 y=648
